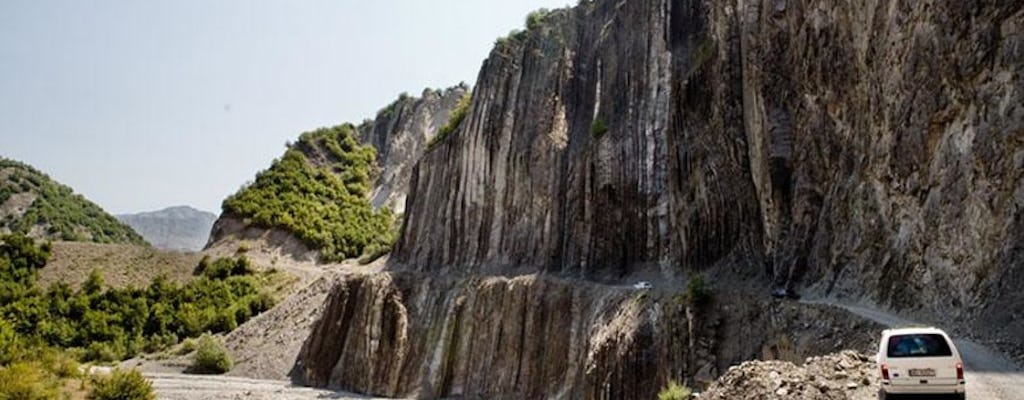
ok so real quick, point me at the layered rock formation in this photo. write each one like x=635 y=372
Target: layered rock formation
x=408 y=334
x=872 y=151
x=401 y=133
x=180 y=228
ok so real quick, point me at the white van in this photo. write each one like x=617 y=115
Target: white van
x=919 y=361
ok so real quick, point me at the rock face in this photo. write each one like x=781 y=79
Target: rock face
x=181 y=228
x=870 y=151
x=400 y=133
x=410 y=334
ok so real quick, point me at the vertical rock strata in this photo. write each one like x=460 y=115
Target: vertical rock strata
x=872 y=149
x=867 y=150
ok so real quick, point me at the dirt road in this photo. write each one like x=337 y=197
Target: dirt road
x=207 y=387
x=989 y=375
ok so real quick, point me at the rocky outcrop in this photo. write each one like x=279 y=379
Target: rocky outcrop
x=401 y=133
x=179 y=228
x=425 y=336
x=872 y=151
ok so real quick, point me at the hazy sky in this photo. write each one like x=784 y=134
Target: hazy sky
x=142 y=105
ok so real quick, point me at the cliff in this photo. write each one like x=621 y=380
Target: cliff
x=401 y=133
x=179 y=228
x=872 y=152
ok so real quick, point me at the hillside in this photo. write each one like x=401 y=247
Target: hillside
x=338 y=192
x=33 y=204
x=179 y=228
x=122 y=265
x=318 y=191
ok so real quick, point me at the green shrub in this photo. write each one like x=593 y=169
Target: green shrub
x=454 y=120
x=535 y=18
x=211 y=357
x=188 y=345
x=674 y=391
x=27 y=381
x=321 y=199
x=598 y=128
x=697 y=291
x=102 y=352
x=121 y=385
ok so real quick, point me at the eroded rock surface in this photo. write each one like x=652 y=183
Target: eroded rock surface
x=412 y=334
x=871 y=151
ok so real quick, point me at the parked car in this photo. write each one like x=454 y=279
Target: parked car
x=919 y=361
x=642 y=285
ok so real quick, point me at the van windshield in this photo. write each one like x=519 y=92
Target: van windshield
x=919 y=345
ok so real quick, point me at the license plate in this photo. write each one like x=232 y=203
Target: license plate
x=922 y=372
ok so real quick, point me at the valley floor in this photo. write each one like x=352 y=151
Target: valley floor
x=173 y=386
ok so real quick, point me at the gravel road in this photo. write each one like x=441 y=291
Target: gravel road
x=209 y=387
x=989 y=375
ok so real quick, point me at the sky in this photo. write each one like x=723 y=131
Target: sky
x=141 y=105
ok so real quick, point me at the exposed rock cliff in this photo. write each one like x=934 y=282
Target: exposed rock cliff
x=873 y=151
x=420 y=335
x=180 y=228
x=401 y=133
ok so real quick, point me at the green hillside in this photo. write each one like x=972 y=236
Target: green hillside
x=33 y=204
x=318 y=191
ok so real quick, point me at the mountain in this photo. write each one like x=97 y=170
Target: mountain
x=867 y=152
x=864 y=153
x=33 y=204
x=338 y=192
x=180 y=228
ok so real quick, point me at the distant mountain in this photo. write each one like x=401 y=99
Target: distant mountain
x=173 y=228
x=33 y=204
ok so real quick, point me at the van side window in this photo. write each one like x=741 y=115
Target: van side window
x=919 y=345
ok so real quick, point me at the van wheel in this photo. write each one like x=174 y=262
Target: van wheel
x=960 y=396
x=882 y=395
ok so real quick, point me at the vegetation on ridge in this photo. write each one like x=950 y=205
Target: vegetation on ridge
x=318 y=191
x=56 y=212
x=454 y=120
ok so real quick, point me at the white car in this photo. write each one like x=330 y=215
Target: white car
x=642 y=285
x=919 y=361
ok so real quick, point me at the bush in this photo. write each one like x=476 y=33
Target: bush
x=121 y=385
x=211 y=357
x=321 y=199
x=697 y=291
x=27 y=381
x=674 y=391
x=454 y=120
x=535 y=18
x=598 y=128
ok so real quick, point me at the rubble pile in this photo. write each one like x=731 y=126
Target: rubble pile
x=847 y=375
